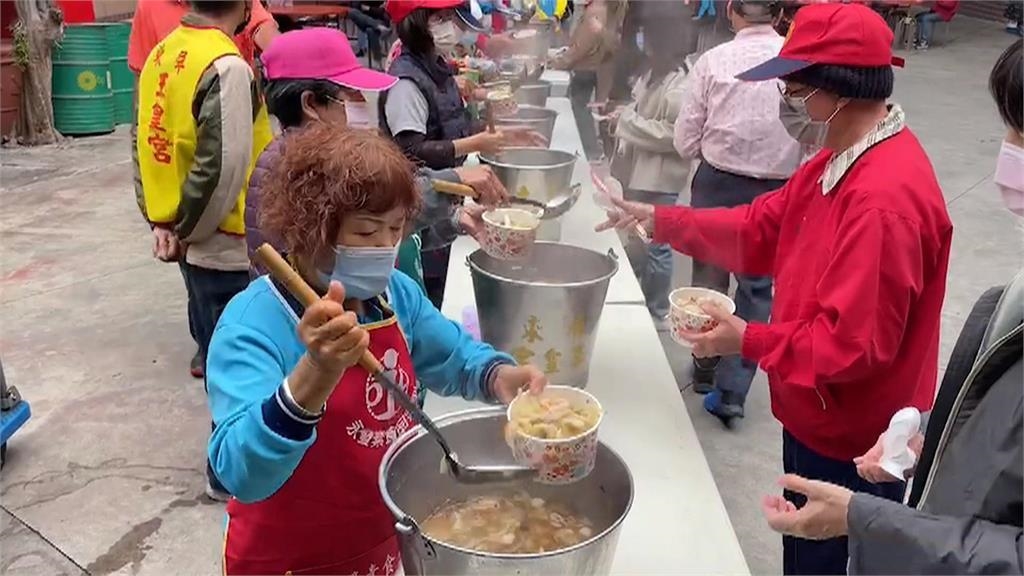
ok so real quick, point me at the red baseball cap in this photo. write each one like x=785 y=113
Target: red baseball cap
x=835 y=34
x=320 y=54
x=399 y=9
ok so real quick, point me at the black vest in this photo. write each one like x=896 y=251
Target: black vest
x=447 y=117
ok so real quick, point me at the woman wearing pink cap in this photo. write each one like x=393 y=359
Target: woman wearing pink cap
x=425 y=113
x=313 y=76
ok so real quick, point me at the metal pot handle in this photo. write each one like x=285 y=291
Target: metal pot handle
x=612 y=254
x=414 y=541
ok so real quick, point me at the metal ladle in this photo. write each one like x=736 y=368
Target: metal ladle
x=552 y=209
x=281 y=271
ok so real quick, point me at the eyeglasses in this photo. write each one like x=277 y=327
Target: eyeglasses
x=335 y=100
x=791 y=94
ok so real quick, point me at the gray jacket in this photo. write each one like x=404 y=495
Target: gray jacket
x=645 y=131
x=967 y=507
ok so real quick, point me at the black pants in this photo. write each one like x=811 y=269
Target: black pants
x=714 y=188
x=191 y=313
x=801 y=556
x=371 y=27
x=435 y=273
x=209 y=292
x=582 y=85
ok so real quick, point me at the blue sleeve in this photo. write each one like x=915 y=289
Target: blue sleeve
x=447 y=359
x=256 y=444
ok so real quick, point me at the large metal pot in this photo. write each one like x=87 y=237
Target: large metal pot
x=412 y=488
x=536 y=173
x=544 y=311
x=534 y=94
x=541 y=120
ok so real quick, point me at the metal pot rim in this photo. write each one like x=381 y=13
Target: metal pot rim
x=535 y=108
x=486 y=159
x=468 y=414
x=610 y=255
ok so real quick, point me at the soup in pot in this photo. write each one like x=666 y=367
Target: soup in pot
x=512 y=524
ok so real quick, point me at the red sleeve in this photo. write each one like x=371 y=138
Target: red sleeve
x=258 y=17
x=741 y=239
x=141 y=40
x=864 y=294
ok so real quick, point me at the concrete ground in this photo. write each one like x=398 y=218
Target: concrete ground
x=107 y=477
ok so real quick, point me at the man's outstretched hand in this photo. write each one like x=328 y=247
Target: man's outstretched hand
x=627 y=215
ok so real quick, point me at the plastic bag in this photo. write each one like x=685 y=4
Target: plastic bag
x=607 y=187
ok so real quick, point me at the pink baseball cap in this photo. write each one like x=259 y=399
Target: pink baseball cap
x=320 y=54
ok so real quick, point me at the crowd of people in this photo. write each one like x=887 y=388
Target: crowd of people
x=809 y=189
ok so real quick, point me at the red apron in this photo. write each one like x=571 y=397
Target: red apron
x=329 y=517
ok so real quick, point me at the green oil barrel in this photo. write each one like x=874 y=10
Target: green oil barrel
x=122 y=80
x=82 y=100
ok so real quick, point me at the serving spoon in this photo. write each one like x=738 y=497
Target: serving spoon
x=552 y=209
x=281 y=271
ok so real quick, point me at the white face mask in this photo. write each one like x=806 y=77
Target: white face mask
x=1009 y=177
x=804 y=129
x=363 y=271
x=357 y=115
x=446 y=36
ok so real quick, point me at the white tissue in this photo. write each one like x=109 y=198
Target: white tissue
x=897 y=456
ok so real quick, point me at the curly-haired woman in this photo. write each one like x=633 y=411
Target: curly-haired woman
x=314 y=77
x=301 y=428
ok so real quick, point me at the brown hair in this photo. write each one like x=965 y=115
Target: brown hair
x=325 y=172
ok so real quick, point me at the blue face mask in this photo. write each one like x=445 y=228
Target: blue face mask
x=363 y=271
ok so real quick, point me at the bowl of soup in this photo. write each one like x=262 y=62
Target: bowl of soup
x=556 y=432
x=687 y=314
x=509 y=233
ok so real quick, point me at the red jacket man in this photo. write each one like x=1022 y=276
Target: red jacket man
x=858 y=243
x=940 y=11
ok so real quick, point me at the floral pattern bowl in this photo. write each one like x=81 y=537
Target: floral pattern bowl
x=509 y=233
x=686 y=316
x=563 y=460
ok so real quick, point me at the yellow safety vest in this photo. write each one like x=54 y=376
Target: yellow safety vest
x=166 y=142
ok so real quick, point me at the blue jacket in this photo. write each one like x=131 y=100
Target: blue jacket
x=256 y=446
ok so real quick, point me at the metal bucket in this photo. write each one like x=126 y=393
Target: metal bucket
x=535 y=173
x=544 y=311
x=534 y=94
x=538 y=174
x=538 y=44
x=541 y=120
x=412 y=488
